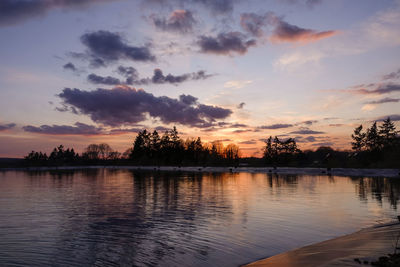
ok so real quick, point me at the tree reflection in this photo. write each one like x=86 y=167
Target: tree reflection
x=112 y=217
x=378 y=188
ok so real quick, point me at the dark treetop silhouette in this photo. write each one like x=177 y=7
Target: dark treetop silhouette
x=377 y=147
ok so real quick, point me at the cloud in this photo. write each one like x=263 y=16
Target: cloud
x=285 y=32
x=313 y=2
x=282 y=31
x=238 y=125
x=162 y=129
x=128 y=71
x=310 y=3
x=306 y=131
x=368 y=107
x=297 y=59
x=223 y=140
x=125 y=105
x=241 y=105
x=380 y=90
x=8 y=126
x=104 y=47
x=275 y=126
x=70 y=66
x=392 y=75
x=225 y=43
x=78 y=129
x=125 y=130
x=379 y=31
x=253 y=23
x=323 y=144
x=393 y=117
x=384 y=100
x=181 y=21
x=158 y=77
x=96 y=79
x=250 y=142
x=215 y=6
x=16 y=11
x=309 y=122
x=237 y=84
x=308 y=139
x=242 y=131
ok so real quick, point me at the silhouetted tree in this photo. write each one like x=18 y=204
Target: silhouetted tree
x=373 y=140
x=141 y=146
x=376 y=147
x=36 y=158
x=231 y=153
x=388 y=133
x=92 y=152
x=170 y=149
x=100 y=152
x=359 y=139
x=61 y=156
x=280 y=152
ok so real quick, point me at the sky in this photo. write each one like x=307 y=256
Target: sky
x=77 y=72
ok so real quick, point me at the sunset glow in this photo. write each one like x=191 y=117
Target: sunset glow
x=82 y=72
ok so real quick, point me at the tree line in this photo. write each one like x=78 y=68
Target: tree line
x=170 y=149
x=94 y=153
x=147 y=149
x=376 y=147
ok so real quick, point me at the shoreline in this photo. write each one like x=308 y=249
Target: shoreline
x=365 y=245
x=271 y=170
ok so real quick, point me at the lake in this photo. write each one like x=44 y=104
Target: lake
x=107 y=217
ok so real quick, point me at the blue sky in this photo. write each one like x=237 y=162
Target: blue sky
x=316 y=67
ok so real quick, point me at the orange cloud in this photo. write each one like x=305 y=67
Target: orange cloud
x=301 y=35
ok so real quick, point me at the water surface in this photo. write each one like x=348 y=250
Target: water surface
x=128 y=218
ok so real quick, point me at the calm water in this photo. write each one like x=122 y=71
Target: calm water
x=124 y=218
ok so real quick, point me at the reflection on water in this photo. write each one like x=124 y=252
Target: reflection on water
x=108 y=217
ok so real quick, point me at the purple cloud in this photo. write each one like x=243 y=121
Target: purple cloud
x=104 y=47
x=78 y=129
x=225 y=43
x=306 y=131
x=380 y=90
x=275 y=126
x=126 y=105
x=16 y=11
x=392 y=75
x=179 y=21
x=393 y=117
x=215 y=6
x=158 y=77
x=8 y=126
x=282 y=31
x=70 y=66
x=384 y=101
x=96 y=79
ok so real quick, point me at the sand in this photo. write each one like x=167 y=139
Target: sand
x=366 y=245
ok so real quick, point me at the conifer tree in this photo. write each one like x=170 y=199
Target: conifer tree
x=373 y=139
x=359 y=139
x=388 y=133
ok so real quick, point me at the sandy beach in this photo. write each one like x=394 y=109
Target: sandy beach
x=279 y=170
x=366 y=245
